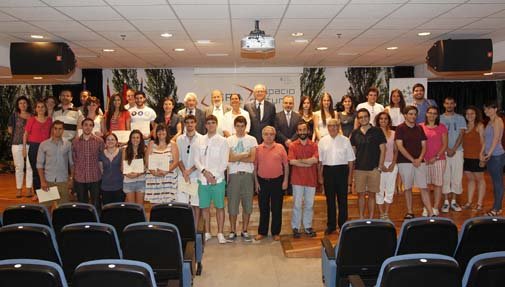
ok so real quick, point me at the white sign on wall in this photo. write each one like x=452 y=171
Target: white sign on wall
x=405 y=85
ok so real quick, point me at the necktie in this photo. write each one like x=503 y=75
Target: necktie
x=258 y=111
x=190 y=112
x=288 y=118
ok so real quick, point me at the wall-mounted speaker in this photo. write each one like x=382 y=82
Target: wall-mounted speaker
x=461 y=55
x=41 y=58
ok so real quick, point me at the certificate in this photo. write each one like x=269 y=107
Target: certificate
x=189 y=188
x=50 y=195
x=143 y=126
x=122 y=136
x=158 y=161
x=136 y=166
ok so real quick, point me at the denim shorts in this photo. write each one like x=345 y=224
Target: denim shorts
x=136 y=186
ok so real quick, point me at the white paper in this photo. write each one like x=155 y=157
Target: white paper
x=50 y=195
x=189 y=188
x=143 y=126
x=136 y=166
x=159 y=161
x=122 y=136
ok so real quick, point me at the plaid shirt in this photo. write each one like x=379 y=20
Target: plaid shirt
x=85 y=155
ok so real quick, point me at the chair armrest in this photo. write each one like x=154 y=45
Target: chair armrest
x=199 y=247
x=356 y=281
x=189 y=256
x=187 y=278
x=328 y=248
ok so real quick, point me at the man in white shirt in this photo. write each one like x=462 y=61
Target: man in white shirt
x=130 y=98
x=218 y=109
x=371 y=105
x=336 y=158
x=241 y=177
x=142 y=116
x=187 y=169
x=211 y=159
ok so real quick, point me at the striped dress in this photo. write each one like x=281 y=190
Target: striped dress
x=161 y=189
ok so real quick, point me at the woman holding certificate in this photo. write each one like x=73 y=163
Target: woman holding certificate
x=163 y=159
x=134 y=182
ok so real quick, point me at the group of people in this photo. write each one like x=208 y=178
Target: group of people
x=197 y=156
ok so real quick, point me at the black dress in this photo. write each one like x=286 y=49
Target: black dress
x=172 y=125
x=310 y=124
x=347 y=123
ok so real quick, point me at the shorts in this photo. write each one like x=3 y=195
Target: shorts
x=412 y=176
x=211 y=193
x=367 y=180
x=136 y=186
x=435 y=173
x=472 y=165
x=240 y=189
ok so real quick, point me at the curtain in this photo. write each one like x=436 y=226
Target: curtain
x=465 y=93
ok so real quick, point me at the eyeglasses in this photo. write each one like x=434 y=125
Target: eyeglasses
x=187 y=151
x=363 y=117
x=206 y=148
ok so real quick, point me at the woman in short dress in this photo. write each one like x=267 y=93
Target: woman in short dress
x=322 y=116
x=347 y=116
x=161 y=183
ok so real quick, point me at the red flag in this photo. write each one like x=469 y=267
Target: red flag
x=125 y=88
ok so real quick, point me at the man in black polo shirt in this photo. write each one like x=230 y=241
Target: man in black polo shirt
x=369 y=145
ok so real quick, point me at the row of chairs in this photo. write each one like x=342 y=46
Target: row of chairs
x=365 y=244
x=97 y=273
x=435 y=270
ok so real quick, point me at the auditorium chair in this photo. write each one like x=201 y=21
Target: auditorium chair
x=181 y=215
x=480 y=235
x=26 y=213
x=113 y=272
x=73 y=212
x=416 y=270
x=363 y=246
x=485 y=270
x=29 y=241
x=30 y=273
x=159 y=245
x=81 y=242
x=121 y=214
x=428 y=235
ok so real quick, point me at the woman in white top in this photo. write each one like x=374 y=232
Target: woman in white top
x=395 y=108
x=91 y=111
x=229 y=117
x=322 y=116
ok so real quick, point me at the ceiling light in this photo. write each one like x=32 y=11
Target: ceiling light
x=166 y=35
x=488 y=74
x=392 y=48
x=423 y=34
x=301 y=41
x=37 y=36
x=217 y=54
x=108 y=50
x=297 y=34
x=322 y=48
x=203 y=41
x=37 y=78
x=179 y=49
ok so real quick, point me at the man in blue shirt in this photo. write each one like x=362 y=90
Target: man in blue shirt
x=422 y=104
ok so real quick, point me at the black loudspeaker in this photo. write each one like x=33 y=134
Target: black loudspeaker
x=41 y=58
x=403 y=71
x=461 y=55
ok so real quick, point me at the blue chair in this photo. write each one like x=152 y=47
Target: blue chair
x=428 y=235
x=480 y=235
x=159 y=245
x=417 y=270
x=363 y=246
x=113 y=272
x=181 y=215
x=485 y=270
x=26 y=213
x=122 y=214
x=31 y=272
x=29 y=241
x=73 y=212
x=81 y=242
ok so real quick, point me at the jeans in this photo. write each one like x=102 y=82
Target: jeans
x=20 y=163
x=82 y=189
x=307 y=194
x=32 y=156
x=495 y=168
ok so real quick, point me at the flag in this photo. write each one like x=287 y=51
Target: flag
x=108 y=90
x=84 y=83
x=141 y=84
x=125 y=88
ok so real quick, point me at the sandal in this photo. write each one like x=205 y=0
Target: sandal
x=467 y=205
x=409 y=216
x=493 y=212
x=478 y=207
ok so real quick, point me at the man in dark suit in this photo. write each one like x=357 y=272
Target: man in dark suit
x=190 y=101
x=261 y=112
x=286 y=122
x=218 y=109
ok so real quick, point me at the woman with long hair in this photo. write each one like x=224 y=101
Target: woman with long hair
x=169 y=118
x=117 y=118
x=347 y=116
x=16 y=129
x=322 y=116
x=91 y=111
x=436 y=144
x=134 y=183
x=37 y=130
x=473 y=147
x=110 y=165
x=494 y=154
x=389 y=171
x=51 y=103
x=305 y=110
x=395 y=108
x=161 y=183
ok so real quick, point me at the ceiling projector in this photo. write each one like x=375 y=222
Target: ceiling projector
x=257 y=41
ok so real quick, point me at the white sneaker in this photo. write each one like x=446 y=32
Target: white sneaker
x=455 y=206
x=435 y=211
x=220 y=238
x=425 y=212
x=445 y=207
x=208 y=236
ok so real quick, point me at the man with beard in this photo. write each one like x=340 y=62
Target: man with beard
x=422 y=104
x=68 y=115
